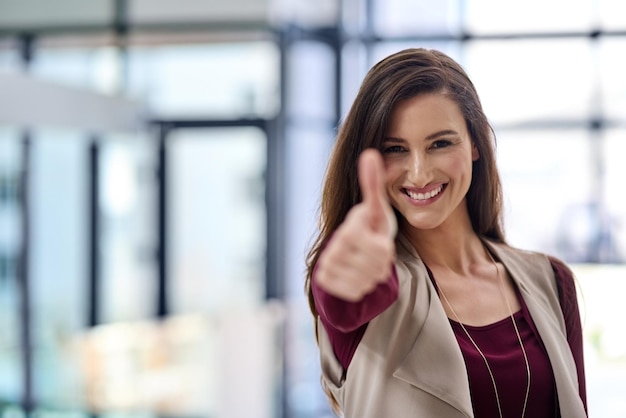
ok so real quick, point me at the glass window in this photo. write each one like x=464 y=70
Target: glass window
x=358 y=59
x=383 y=49
x=530 y=80
x=612 y=81
x=601 y=290
x=128 y=228
x=10 y=240
x=548 y=190
x=614 y=175
x=217 y=219
x=9 y=56
x=10 y=169
x=354 y=64
x=58 y=262
x=410 y=17
x=353 y=16
x=310 y=133
x=311 y=83
x=530 y=16
x=95 y=69
x=307 y=156
x=206 y=80
x=612 y=14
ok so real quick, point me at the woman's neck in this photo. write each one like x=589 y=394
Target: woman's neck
x=456 y=248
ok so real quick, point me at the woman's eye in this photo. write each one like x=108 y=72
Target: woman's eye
x=392 y=149
x=441 y=143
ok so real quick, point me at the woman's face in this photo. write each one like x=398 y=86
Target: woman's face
x=428 y=157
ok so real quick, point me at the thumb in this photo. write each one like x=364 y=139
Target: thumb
x=372 y=183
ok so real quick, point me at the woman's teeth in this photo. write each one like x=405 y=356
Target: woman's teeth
x=424 y=196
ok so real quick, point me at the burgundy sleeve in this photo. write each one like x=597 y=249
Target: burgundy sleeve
x=345 y=322
x=569 y=305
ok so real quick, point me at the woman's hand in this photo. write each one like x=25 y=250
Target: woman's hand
x=361 y=252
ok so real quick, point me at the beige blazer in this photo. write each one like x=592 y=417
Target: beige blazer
x=409 y=364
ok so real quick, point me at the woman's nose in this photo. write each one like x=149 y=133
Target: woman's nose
x=418 y=171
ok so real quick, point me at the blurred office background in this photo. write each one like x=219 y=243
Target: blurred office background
x=160 y=170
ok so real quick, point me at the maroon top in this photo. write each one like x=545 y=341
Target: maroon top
x=345 y=322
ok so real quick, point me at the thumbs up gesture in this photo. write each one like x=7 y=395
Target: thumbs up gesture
x=361 y=252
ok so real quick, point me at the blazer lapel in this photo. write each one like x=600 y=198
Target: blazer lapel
x=541 y=298
x=434 y=363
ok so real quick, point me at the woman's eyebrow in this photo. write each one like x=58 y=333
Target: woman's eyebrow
x=441 y=133
x=430 y=137
x=393 y=139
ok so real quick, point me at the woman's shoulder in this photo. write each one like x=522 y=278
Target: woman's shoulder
x=560 y=268
x=558 y=265
x=564 y=277
x=566 y=284
x=525 y=256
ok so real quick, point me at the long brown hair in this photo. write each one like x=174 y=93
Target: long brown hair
x=398 y=77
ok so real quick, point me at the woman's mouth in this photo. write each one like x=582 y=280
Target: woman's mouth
x=423 y=197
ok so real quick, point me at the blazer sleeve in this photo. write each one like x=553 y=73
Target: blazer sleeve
x=345 y=322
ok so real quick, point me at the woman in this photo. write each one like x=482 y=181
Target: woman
x=422 y=309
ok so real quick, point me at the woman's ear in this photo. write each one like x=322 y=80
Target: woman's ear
x=475 y=153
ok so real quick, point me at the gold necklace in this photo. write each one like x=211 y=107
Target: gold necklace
x=519 y=338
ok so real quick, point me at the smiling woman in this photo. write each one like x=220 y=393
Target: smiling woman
x=426 y=150
x=411 y=282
